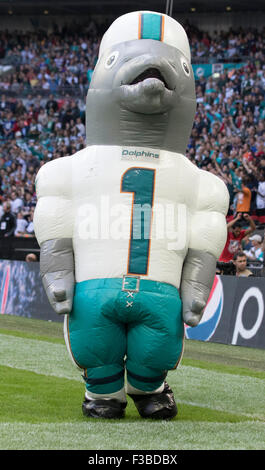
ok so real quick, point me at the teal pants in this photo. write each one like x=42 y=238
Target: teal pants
x=125 y=324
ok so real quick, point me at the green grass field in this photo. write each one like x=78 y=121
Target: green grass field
x=219 y=390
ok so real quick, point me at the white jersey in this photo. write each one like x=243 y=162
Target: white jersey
x=130 y=211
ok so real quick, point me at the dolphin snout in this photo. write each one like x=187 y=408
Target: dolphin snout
x=151 y=72
x=147 y=66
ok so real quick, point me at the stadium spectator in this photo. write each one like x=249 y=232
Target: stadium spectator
x=240 y=262
x=30 y=227
x=255 y=253
x=7 y=222
x=31 y=257
x=16 y=202
x=7 y=229
x=235 y=235
x=260 y=197
x=243 y=197
x=21 y=226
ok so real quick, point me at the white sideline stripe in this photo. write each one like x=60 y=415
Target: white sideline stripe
x=252 y=417
x=240 y=395
x=42 y=357
x=172 y=435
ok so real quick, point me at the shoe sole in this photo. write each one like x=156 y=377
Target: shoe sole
x=162 y=414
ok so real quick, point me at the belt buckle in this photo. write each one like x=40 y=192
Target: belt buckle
x=125 y=282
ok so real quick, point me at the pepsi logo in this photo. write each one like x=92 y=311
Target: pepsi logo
x=211 y=316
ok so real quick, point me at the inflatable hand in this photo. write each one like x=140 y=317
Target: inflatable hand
x=57 y=272
x=197 y=278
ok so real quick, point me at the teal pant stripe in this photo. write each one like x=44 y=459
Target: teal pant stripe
x=146 y=379
x=151 y=26
x=103 y=380
x=111 y=387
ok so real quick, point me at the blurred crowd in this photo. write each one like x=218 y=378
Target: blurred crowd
x=62 y=61
x=229 y=45
x=59 y=62
x=32 y=132
x=228 y=134
x=42 y=113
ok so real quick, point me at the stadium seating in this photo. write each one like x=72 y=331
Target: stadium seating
x=42 y=110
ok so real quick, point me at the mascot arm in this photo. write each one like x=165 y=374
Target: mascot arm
x=53 y=224
x=207 y=238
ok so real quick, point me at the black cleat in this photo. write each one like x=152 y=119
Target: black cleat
x=103 y=408
x=157 y=405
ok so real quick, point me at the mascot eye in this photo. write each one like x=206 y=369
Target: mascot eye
x=185 y=67
x=111 y=59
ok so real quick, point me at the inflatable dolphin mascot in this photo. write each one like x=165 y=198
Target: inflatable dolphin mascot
x=129 y=228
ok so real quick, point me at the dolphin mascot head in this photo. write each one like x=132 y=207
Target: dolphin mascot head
x=142 y=90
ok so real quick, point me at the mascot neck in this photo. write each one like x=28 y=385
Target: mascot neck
x=107 y=123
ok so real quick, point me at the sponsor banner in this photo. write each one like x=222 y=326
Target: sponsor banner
x=234 y=313
x=22 y=292
x=212 y=314
x=206 y=70
x=247 y=316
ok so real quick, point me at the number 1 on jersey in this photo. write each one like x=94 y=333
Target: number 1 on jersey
x=140 y=182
